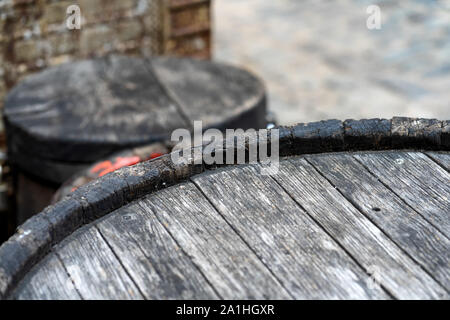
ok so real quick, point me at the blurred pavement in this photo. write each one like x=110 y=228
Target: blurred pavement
x=319 y=60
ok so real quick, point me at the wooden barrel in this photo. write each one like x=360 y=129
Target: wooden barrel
x=337 y=224
x=66 y=117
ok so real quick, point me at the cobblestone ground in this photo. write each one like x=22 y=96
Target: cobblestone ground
x=319 y=60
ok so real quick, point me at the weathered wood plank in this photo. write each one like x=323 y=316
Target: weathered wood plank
x=320 y=136
x=401 y=276
x=305 y=259
x=221 y=255
x=403 y=225
x=417 y=133
x=152 y=258
x=93 y=267
x=415 y=178
x=47 y=281
x=367 y=134
x=214 y=93
x=86 y=110
x=442 y=158
x=133 y=83
x=217 y=245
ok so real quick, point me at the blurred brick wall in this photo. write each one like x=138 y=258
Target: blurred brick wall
x=188 y=28
x=34 y=35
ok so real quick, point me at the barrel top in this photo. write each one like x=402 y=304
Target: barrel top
x=349 y=224
x=317 y=229
x=85 y=110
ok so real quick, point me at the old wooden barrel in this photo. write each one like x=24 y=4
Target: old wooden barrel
x=334 y=222
x=66 y=117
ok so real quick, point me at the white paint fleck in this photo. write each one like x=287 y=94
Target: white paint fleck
x=266 y=237
x=328 y=245
x=22 y=233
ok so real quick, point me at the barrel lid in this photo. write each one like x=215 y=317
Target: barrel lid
x=85 y=110
x=44 y=231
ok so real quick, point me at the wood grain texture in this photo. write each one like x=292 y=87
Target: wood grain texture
x=152 y=258
x=299 y=213
x=217 y=94
x=364 y=133
x=30 y=243
x=97 y=106
x=415 y=133
x=445 y=135
x=93 y=267
x=225 y=260
x=320 y=136
x=47 y=281
x=374 y=251
x=441 y=158
x=420 y=182
x=407 y=228
x=301 y=255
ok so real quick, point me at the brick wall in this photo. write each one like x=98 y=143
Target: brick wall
x=34 y=35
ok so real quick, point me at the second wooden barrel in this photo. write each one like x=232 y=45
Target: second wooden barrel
x=64 y=118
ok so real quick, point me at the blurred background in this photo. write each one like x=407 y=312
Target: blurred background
x=318 y=58
x=320 y=61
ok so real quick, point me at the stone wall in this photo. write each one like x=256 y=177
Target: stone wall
x=34 y=34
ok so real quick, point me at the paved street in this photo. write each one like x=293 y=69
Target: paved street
x=319 y=60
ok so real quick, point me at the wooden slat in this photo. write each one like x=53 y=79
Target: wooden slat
x=131 y=84
x=230 y=92
x=47 y=281
x=225 y=260
x=93 y=267
x=85 y=110
x=401 y=276
x=241 y=234
x=403 y=225
x=415 y=178
x=442 y=158
x=152 y=258
x=305 y=259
